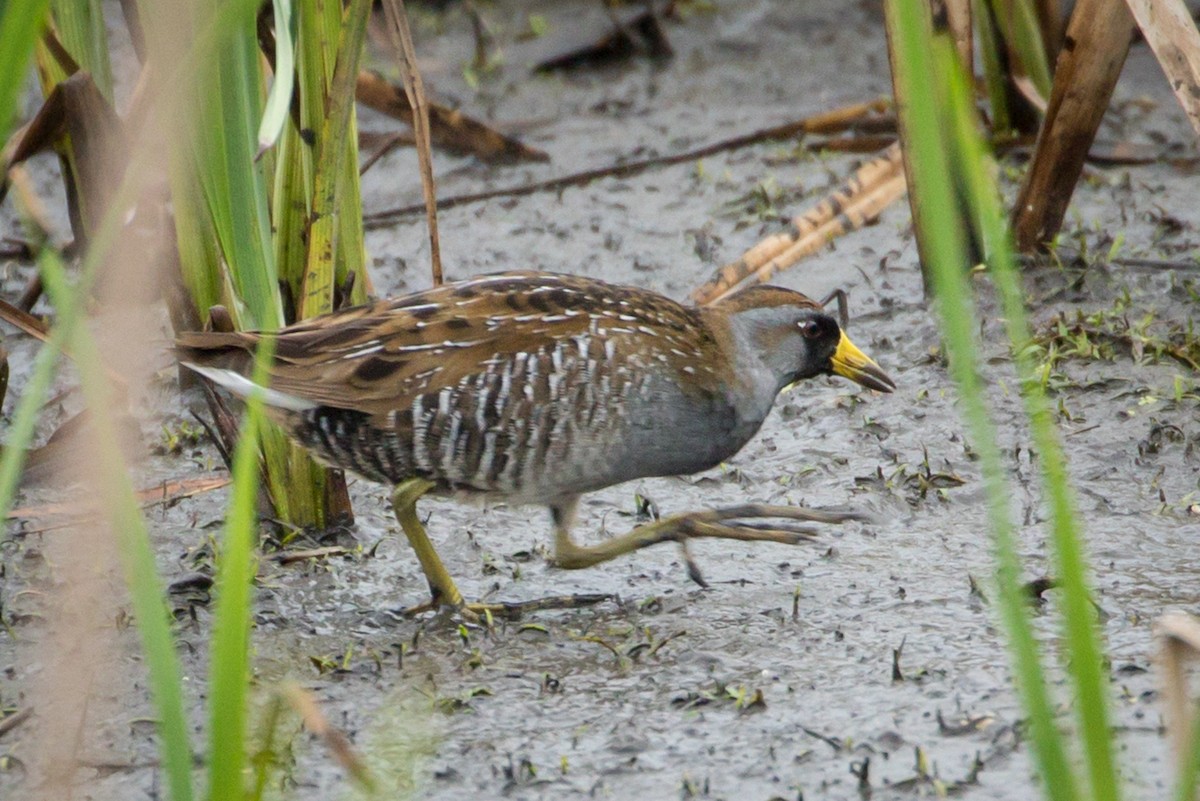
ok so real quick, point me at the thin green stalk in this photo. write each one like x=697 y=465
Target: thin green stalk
x=20 y=433
x=229 y=670
x=1083 y=657
x=145 y=588
x=21 y=22
x=993 y=78
x=924 y=129
x=265 y=758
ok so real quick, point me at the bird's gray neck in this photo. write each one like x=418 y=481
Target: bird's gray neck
x=757 y=382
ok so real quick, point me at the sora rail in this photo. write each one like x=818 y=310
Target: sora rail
x=537 y=388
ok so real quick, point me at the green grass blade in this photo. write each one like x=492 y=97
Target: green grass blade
x=1084 y=656
x=925 y=125
x=993 y=77
x=146 y=590
x=316 y=55
x=21 y=23
x=229 y=670
x=233 y=182
x=80 y=25
x=20 y=433
x=1018 y=22
x=317 y=288
x=1027 y=32
x=280 y=97
x=351 y=252
x=264 y=759
x=290 y=204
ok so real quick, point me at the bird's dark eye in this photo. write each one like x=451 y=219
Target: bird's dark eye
x=810 y=329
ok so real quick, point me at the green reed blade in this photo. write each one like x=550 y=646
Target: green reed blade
x=926 y=125
x=1083 y=657
x=229 y=669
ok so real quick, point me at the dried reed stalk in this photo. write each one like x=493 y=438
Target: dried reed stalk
x=414 y=87
x=851 y=206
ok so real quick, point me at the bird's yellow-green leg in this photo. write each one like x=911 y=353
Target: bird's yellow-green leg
x=441 y=586
x=680 y=528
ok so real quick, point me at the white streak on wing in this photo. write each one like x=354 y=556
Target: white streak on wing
x=243 y=387
x=367 y=351
x=418 y=346
x=420 y=308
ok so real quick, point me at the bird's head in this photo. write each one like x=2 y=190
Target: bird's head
x=795 y=339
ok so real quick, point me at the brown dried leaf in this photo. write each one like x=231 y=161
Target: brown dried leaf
x=77 y=109
x=449 y=129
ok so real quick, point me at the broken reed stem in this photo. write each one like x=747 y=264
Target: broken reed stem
x=1173 y=37
x=305 y=705
x=852 y=205
x=1179 y=641
x=414 y=87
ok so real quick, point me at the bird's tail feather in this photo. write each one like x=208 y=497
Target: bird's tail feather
x=243 y=387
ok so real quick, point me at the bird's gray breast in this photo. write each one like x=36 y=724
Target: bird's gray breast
x=676 y=431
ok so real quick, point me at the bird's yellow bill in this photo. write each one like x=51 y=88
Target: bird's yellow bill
x=850 y=362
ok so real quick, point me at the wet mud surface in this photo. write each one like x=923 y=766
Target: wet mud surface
x=866 y=663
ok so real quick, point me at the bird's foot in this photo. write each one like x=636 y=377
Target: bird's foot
x=748 y=523
x=482 y=614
